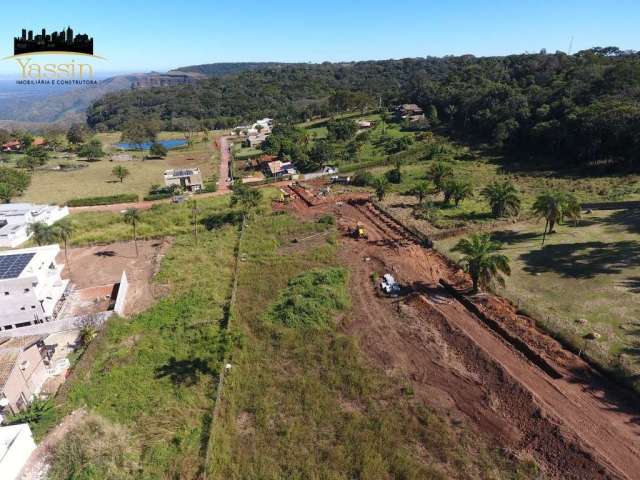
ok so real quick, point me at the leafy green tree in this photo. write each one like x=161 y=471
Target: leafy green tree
x=120 y=172
x=554 y=207
x=42 y=233
x=503 y=197
x=92 y=150
x=321 y=153
x=380 y=186
x=481 y=260
x=439 y=173
x=76 y=133
x=12 y=183
x=342 y=130
x=158 y=150
x=132 y=217
x=245 y=197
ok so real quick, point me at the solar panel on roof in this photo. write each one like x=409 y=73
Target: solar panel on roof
x=11 y=266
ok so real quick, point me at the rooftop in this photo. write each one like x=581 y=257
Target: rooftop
x=10 y=348
x=182 y=173
x=12 y=265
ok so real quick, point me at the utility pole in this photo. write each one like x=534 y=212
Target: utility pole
x=194 y=214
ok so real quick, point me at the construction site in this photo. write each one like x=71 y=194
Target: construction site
x=474 y=357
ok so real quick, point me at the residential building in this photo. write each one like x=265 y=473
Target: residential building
x=279 y=169
x=16 y=217
x=256 y=139
x=31 y=287
x=16 y=445
x=12 y=146
x=22 y=371
x=409 y=111
x=189 y=179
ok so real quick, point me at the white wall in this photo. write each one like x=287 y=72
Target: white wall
x=16 y=445
x=122 y=295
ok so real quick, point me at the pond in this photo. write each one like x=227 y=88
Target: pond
x=169 y=144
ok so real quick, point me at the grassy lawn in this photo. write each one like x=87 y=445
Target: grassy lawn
x=161 y=220
x=154 y=375
x=299 y=401
x=95 y=178
x=585 y=279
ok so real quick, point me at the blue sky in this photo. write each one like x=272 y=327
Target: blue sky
x=176 y=33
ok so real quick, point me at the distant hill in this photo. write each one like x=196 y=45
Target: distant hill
x=34 y=107
x=224 y=69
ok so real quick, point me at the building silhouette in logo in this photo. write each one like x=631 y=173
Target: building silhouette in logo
x=62 y=41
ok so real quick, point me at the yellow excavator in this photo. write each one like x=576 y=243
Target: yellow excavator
x=359 y=232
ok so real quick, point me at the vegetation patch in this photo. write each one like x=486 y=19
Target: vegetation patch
x=311 y=299
x=106 y=200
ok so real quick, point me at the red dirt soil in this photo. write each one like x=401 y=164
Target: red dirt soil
x=580 y=426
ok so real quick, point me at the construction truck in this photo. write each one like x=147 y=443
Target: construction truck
x=359 y=232
x=389 y=286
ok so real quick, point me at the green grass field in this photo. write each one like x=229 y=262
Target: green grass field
x=300 y=402
x=155 y=374
x=96 y=179
x=585 y=279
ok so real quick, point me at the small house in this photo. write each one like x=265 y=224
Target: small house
x=189 y=179
x=409 y=111
x=279 y=169
x=22 y=371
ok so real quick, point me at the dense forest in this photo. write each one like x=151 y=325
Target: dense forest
x=577 y=108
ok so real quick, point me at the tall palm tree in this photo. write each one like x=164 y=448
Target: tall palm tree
x=63 y=230
x=132 y=217
x=42 y=233
x=481 y=261
x=554 y=207
x=503 y=197
x=380 y=185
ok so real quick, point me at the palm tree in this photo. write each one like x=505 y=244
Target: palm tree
x=421 y=190
x=132 y=217
x=380 y=185
x=457 y=189
x=555 y=207
x=503 y=198
x=63 y=230
x=438 y=173
x=481 y=261
x=42 y=233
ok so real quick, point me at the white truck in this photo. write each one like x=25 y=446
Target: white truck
x=389 y=286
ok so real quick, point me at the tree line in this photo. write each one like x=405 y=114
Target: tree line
x=580 y=108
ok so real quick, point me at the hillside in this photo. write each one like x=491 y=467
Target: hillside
x=25 y=107
x=581 y=107
x=229 y=68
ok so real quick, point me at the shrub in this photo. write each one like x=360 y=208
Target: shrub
x=394 y=175
x=362 y=179
x=327 y=220
x=311 y=299
x=105 y=200
x=95 y=448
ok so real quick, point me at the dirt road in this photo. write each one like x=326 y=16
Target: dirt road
x=579 y=426
x=225 y=160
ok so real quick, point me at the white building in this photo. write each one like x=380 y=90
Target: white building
x=189 y=179
x=30 y=286
x=16 y=217
x=16 y=445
